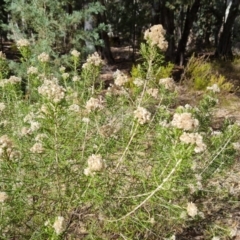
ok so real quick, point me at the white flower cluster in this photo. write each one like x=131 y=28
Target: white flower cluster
x=214 y=88
x=142 y=115
x=94 y=104
x=75 y=53
x=114 y=90
x=65 y=75
x=184 y=121
x=37 y=148
x=110 y=129
x=22 y=43
x=43 y=57
x=236 y=146
x=138 y=82
x=95 y=164
x=6 y=146
x=192 y=209
x=12 y=80
x=52 y=90
x=40 y=137
x=5 y=142
x=62 y=69
x=74 y=108
x=75 y=78
x=120 y=78
x=2 y=55
x=153 y=92
x=156 y=35
x=34 y=125
x=93 y=60
x=194 y=138
x=2 y=106
x=168 y=83
x=59 y=225
x=3 y=197
x=32 y=70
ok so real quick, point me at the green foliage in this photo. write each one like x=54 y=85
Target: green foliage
x=199 y=75
x=50 y=27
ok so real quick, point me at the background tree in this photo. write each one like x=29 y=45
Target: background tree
x=224 y=47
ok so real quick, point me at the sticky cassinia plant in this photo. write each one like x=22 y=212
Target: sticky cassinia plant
x=80 y=161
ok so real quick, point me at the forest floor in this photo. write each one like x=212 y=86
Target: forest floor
x=223 y=210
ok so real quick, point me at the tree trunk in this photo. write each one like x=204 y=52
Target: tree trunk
x=167 y=20
x=224 y=47
x=190 y=18
x=105 y=51
x=156 y=5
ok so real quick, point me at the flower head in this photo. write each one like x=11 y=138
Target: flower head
x=214 y=88
x=153 y=92
x=95 y=164
x=43 y=57
x=184 y=121
x=120 y=78
x=37 y=148
x=168 y=83
x=22 y=43
x=52 y=90
x=32 y=70
x=75 y=79
x=14 y=80
x=192 y=209
x=75 y=53
x=74 y=108
x=3 y=197
x=142 y=115
x=94 y=104
x=138 y=82
x=156 y=35
x=194 y=138
x=93 y=60
x=59 y=225
x=2 y=106
x=65 y=75
x=2 y=55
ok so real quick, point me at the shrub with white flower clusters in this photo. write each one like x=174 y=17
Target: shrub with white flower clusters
x=154 y=152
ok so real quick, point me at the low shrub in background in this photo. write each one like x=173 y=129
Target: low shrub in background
x=81 y=162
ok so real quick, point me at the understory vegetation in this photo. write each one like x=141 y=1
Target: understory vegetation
x=82 y=161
